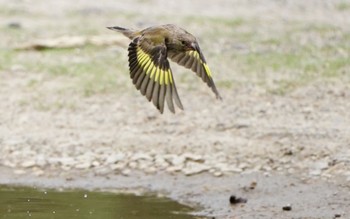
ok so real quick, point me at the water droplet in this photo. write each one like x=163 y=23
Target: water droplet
x=54 y=212
x=85 y=195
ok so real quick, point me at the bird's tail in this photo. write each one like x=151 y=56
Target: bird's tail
x=131 y=34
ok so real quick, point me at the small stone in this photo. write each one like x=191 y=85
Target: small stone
x=115 y=158
x=178 y=160
x=174 y=169
x=133 y=164
x=161 y=163
x=337 y=215
x=193 y=157
x=217 y=173
x=194 y=168
x=253 y=185
x=67 y=161
x=19 y=172
x=118 y=166
x=126 y=172
x=150 y=170
x=95 y=163
x=83 y=165
x=322 y=165
x=102 y=171
x=237 y=200
x=28 y=163
x=316 y=172
x=38 y=172
x=287 y=208
x=141 y=156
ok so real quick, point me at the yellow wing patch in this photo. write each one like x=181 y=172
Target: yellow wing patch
x=195 y=54
x=156 y=73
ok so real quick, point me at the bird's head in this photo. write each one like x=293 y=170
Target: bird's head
x=182 y=42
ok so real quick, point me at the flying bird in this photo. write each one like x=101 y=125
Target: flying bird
x=149 y=66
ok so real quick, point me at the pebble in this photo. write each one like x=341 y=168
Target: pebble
x=193 y=157
x=217 y=164
x=141 y=156
x=172 y=169
x=115 y=158
x=118 y=166
x=83 y=165
x=95 y=163
x=237 y=200
x=194 y=168
x=19 y=172
x=38 y=172
x=218 y=173
x=287 y=208
x=126 y=172
x=28 y=163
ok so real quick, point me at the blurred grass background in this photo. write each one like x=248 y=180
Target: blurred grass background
x=274 y=52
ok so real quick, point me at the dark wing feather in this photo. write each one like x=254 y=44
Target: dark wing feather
x=151 y=74
x=194 y=60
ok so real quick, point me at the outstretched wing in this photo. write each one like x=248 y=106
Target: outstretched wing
x=194 y=60
x=151 y=74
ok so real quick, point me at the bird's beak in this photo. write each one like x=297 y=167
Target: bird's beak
x=194 y=46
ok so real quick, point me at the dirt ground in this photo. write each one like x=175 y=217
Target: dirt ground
x=281 y=135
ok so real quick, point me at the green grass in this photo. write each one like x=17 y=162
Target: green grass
x=277 y=60
x=343 y=6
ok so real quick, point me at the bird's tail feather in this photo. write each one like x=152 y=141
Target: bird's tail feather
x=127 y=32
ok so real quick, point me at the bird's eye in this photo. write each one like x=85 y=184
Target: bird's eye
x=183 y=42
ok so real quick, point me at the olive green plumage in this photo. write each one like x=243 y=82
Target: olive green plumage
x=149 y=67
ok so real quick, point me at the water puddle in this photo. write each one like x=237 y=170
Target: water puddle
x=25 y=202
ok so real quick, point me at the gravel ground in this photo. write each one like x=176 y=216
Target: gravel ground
x=254 y=144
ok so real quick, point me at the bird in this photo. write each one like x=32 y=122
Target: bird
x=150 y=71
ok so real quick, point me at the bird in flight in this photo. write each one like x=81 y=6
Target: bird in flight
x=149 y=66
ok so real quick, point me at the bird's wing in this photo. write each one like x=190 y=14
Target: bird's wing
x=194 y=60
x=150 y=72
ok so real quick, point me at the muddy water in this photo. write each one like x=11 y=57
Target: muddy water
x=24 y=202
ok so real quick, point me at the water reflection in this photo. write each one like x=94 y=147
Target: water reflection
x=24 y=202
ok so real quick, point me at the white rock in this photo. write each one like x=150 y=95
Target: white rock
x=218 y=173
x=95 y=163
x=321 y=165
x=19 y=172
x=66 y=161
x=194 y=168
x=132 y=164
x=141 y=156
x=193 y=157
x=315 y=172
x=178 y=160
x=150 y=170
x=85 y=165
x=126 y=172
x=38 y=172
x=160 y=162
x=115 y=158
x=28 y=163
x=118 y=166
x=41 y=160
x=9 y=164
x=172 y=169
